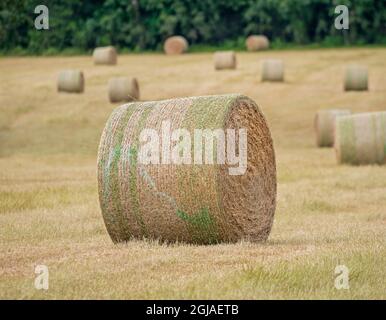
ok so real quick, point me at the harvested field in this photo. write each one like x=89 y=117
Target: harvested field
x=327 y=214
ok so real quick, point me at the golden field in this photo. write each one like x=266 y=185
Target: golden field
x=327 y=214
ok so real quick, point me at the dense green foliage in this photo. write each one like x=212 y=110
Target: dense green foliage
x=144 y=24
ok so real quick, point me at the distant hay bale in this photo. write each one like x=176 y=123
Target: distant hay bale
x=105 y=55
x=184 y=200
x=356 y=78
x=175 y=45
x=325 y=125
x=361 y=138
x=272 y=70
x=224 y=60
x=257 y=42
x=71 y=81
x=123 y=89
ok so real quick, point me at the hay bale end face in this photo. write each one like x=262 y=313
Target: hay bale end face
x=356 y=78
x=123 y=89
x=177 y=200
x=71 y=81
x=176 y=45
x=361 y=138
x=273 y=70
x=105 y=56
x=257 y=43
x=224 y=60
x=325 y=125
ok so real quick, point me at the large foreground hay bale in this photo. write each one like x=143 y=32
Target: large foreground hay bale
x=356 y=78
x=123 y=89
x=325 y=125
x=175 y=45
x=257 y=42
x=224 y=60
x=196 y=203
x=272 y=70
x=361 y=138
x=105 y=55
x=71 y=81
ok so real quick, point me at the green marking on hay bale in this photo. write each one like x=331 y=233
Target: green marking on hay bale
x=133 y=188
x=111 y=190
x=201 y=225
x=133 y=154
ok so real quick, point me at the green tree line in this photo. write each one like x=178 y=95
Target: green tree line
x=137 y=25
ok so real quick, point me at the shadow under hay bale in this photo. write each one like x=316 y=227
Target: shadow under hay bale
x=257 y=43
x=175 y=45
x=324 y=124
x=361 y=138
x=272 y=70
x=105 y=56
x=71 y=81
x=172 y=199
x=123 y=89
x=224 y=60
x=356 y=78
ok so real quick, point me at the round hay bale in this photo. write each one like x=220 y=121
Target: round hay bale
x=191 y=198
x=71 y=81
x=224 y=60
x=105 y=55
x=257 y=43
x=175 y=45
x=361 y=138
x=123 y=89
x=356 y=78
x=273 y=70
x=325 y=125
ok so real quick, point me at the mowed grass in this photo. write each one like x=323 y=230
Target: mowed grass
x=327 y=215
